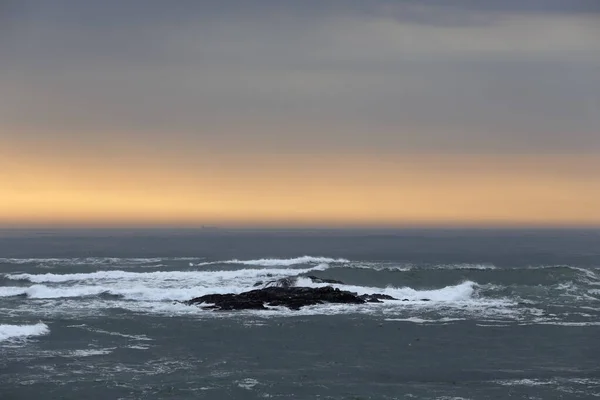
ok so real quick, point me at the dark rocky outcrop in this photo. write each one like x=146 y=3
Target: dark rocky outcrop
x=288 y=296
x=316 y=279
x=376 y=297
x=283 y=282
x=292 y=280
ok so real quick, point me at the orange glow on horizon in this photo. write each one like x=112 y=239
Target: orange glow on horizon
x=299 y=190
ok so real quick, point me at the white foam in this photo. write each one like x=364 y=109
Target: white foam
x=460 y=292
x=378 y=266
x=117 y=275
x=134 y=337
x=247 y=383
x=138 y=347
x=451 y=398
x=10 y=291
x=128 y=292
x=482 y=267
x=417 y=320
x=405 y=267
x=591 y=276
x=96 y=260
x=89 y=353
x=12 y=332
x=281 y=262
x=79 y=261
x=151 y=293
x=155 y=291
x=526 y=382
x=560 y=323
x=45 y=292
x=151 y=286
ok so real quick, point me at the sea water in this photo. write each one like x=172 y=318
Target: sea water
x=481 y=314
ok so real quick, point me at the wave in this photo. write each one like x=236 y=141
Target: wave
x=460 y=292
x=564 y=323
x=481 y=267
x=79 y=261
x=126 y=292
x=12 y=332
x=591 y=277
x=248 y=383
x=281 y=262
x=417 y=320
x=118 y=275
x=45 y=292
x=184 y=285
x=10 y=291
x=89 y=353
x=138 y=347
x=572 y=387
x=408 y=267
x=377 y=266
x=94 y=261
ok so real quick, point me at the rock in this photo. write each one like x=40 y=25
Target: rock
x=283 y=282
x=292 y=280
x=376 y=298
x=284 y=292
x=316 y=279
x=292 y=297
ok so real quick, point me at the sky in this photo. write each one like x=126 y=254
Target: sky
x=300 y=113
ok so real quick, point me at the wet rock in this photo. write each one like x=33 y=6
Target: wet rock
x=376 y=298
x=316 y=279
x=292 y=280
x=293 y=298
x=283 y=282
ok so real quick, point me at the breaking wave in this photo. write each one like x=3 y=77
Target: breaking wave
x=93 y=260
x=451 y=290
x=460 y=292
x=163 y=290
x=12 y=332
x=89 y=353
x=201 y=276
x=281 y=262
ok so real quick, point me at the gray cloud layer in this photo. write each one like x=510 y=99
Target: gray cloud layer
x=395 y=76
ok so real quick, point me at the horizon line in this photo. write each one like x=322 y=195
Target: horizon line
x=224 y=228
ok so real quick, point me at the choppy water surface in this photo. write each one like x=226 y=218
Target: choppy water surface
x=479 y=315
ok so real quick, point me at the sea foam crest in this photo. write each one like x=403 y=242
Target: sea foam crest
x=127 y=292
x=460 y=292
x=96 y=261
x=150 y=286
x=80 y=261
x=141 y=292
x=12 y=332
x=10 y=291
x=281 y=262
x=89 y=352
x=481 y=267
x=119 y=275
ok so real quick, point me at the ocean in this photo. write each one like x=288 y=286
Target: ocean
x=481 y=314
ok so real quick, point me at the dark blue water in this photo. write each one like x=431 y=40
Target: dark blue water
x=97 y=314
